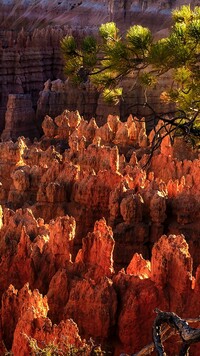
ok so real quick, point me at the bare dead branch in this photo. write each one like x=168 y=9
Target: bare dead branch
x=188 y=334
x=169 y=324
x=174 y=124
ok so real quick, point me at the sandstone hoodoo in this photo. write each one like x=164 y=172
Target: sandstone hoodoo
x=99 y=207
x=84 y=225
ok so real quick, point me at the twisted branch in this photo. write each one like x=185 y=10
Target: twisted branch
x=163 y=332
x=188 y=335
x=174 y=124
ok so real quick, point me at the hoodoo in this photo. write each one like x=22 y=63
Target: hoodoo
x=99 y=205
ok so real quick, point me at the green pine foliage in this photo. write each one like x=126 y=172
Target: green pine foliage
x=139 y=39
x=109 y=32
x=139 y=55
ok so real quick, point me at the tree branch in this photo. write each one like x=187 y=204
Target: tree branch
x=163 y=332
x=188 y=335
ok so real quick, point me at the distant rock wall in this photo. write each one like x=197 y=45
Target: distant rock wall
x=30 y=34
x=86 y=12
x=59 y=95
x=26 y=63
x=19 y=118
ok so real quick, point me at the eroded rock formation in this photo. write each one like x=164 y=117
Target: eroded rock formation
x=24 y=318
x=30 y=35
x=104 y=239
x=19 y=118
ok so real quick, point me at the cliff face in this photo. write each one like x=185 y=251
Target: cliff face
x=81 y=12
x=58 y=95
x=19 y=118
x=30 y=34
x=27 y=61
x=84 y=224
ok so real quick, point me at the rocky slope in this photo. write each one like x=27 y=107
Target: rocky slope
x=90 y=242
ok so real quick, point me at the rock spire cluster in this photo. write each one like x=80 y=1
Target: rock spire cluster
x=91 y=242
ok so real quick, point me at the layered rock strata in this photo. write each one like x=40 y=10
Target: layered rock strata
x=27 y=61
x=59 y=94
x=19 y=118
x=30 y=35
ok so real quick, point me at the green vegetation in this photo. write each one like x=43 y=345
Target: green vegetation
x=111 y=58
x=53 y=349
x=114 y=57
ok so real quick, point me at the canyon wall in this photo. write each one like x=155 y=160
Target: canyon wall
x=30 y=34
x=86 y=12
x=92 y=239
x=105 y=239
x=27 y=61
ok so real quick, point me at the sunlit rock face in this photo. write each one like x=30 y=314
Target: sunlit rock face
x=25 y=312
x=90 y=171
x=105 y=238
